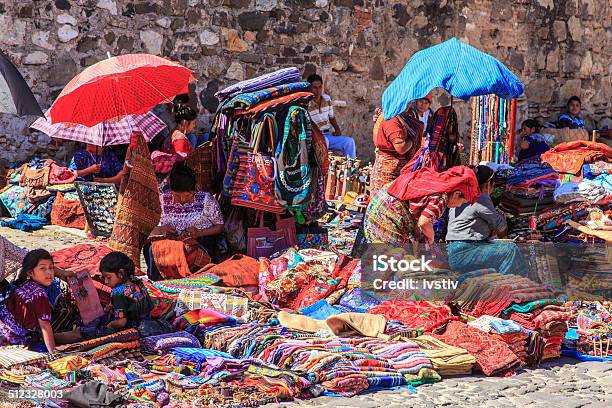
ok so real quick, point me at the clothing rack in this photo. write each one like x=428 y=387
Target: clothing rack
x=493 y=129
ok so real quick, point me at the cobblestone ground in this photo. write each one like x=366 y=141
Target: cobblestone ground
x=563 y=383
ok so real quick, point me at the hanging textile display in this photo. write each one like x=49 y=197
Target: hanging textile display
x=493 y=128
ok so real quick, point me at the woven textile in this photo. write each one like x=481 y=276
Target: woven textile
x=246 y=101
x=202 y=162
x=81 y=257
x=123 y=336
x=280 y=103
x=282 y=76
x=388 y=220
x=99 y=201
x=138 y=209
x=169 y=341
x=109 y=350
x=415 y=314
x=569 y=157
x=11 y=257
x=15 y=200
x=493 y=357
x=11 y=356
x=446 y=359
x=194 y=300
x=385 y=170
x=46 y=381
x=67 y=213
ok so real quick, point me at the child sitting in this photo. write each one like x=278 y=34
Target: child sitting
x=131 y=304
x=28 y=307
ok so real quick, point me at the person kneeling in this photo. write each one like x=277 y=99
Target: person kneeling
x=187 y=236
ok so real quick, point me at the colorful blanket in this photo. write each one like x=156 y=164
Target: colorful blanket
x=571 y=156
x=282 y=76
x=280 y=103
x=246 y=101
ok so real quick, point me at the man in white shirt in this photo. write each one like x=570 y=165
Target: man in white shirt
x=322 y=113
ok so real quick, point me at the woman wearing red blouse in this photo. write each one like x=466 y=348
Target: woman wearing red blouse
x=185 y=123
x=397 y=140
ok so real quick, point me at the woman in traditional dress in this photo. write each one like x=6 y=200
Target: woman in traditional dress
x=26 y=313
x=192 y=221
x=397 y=140
x=405 y=210
x=94 y=163
x=471 y=228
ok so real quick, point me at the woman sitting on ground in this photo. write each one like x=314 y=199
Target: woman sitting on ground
x=471 y=228
x=187 y=236
x=94 y=163
x=25 y=316
x=405 y=210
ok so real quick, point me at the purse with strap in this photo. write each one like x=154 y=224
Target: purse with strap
x=264 y=242
x=254 y=184
x=294 y=180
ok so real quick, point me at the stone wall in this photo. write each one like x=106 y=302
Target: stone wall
x=557 y=47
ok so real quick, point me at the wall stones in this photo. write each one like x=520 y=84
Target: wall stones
x=152 y=41
x=557 y=48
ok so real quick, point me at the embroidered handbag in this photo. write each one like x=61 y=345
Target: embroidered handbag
x=264 y=242
x=202 y=162
x=85 y=295
x=293 y=184
x=254 y=184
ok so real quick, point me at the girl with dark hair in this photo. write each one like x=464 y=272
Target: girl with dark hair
x=187 y=235
x=471 y=228
x=532 y=145
x=185 y=123
x=130 y=302
x=28 y=307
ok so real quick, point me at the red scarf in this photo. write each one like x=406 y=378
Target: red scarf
x=426 y=181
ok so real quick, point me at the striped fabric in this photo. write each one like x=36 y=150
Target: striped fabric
x=106 y=133
x=248 y=100
x=282 y=76
x=461 y=69
x=431 y=207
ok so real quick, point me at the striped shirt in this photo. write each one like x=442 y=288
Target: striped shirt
x=431 y=207
x=322 y=114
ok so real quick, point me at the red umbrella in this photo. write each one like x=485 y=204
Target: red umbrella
x=119 y=86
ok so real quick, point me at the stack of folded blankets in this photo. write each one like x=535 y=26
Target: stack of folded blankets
x=529 y=189
x=483 y=292
x=493 y=357
x=447 y=360
x=550 y=321
x=507 y=331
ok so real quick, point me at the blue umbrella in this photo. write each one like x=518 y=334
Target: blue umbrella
x=460 y=69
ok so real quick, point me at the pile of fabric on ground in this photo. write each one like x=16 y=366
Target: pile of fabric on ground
x=31 y=190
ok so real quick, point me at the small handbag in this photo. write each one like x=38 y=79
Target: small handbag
x=85 y=295
x=235 y=231
x=264 y=242
x=254 y=184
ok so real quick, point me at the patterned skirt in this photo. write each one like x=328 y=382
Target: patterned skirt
x=386 y=169
x=388 y=220
x=11 y=332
